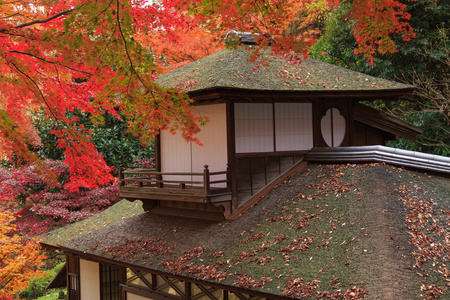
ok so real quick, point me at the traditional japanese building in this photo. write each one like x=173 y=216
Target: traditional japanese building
x=264 y=116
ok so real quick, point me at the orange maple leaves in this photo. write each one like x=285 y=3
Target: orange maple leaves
x=185 y=46
x=83 y=55
x=19 y=258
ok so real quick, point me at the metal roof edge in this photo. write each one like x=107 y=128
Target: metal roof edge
x=378 y=153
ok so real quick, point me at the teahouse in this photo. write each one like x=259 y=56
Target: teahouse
x=264 y=117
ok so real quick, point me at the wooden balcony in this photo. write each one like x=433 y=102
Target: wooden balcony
x=207 y=195
x=203 y=187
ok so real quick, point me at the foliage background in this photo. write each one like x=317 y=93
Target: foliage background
x=423 y=61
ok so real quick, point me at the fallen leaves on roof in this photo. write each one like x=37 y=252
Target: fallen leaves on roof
x=328 y=232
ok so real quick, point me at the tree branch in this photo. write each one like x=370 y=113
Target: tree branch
x=133 y=69
x=49 y=61
x=63 y=13
x=37 y=88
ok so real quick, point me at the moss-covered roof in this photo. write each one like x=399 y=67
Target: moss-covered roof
x=232 y=69
x=326 y=230
x=117 y=212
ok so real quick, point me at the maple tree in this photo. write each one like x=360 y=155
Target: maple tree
x=61 y=56
x=83 y=56
x=191 y=44
x=118 y=147
x=19 y=258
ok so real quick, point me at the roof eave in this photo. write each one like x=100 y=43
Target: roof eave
x=223 y=93
x=372 y=117
x=218 y=285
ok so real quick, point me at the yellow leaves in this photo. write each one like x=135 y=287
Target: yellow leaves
x=19 y=258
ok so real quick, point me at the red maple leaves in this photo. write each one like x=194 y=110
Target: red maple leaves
x=82 y=55
x=376 y=21
x=87 y=56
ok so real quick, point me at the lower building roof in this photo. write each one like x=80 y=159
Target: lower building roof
x=328 y=223
x=117 y=212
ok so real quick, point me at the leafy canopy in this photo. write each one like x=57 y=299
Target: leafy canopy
x=62 y=56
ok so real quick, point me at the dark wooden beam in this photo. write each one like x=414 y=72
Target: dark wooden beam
x=158 y=152
x=256 y=197
x=231 y=153
x=219 y=95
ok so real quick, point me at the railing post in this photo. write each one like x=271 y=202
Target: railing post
x=206 y=180
x=228 y=177
x=159 y=182
x=121 y=176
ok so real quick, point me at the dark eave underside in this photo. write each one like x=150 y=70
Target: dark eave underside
x=222 y=94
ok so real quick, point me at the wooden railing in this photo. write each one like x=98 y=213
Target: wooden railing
x=151 y=178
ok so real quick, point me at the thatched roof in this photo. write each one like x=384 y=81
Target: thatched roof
x=231 y=69
x=327 y=225
x=117 y=212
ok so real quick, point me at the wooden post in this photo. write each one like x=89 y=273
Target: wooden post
x=231 y=153
x=123 y=280
x=228 y=177
x=159 y=182
x=121 y=176
x=206 y=180
x=158 y=177
x=187 y=290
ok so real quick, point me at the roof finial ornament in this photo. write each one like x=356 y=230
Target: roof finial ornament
x=246 y=38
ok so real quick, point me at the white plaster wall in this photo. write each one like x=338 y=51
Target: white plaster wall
x=175 y=155
x=293 y=126
x=89 y=280
x=254 y=127
x=179 y=156
x=214 y=138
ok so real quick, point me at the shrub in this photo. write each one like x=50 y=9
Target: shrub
x=36 y=285
x=109 y=135
x=38 y=195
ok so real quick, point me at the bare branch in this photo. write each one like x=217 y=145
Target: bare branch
x=133 y=69
x=49 y=61
x=37 y=88
x=63 y=13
